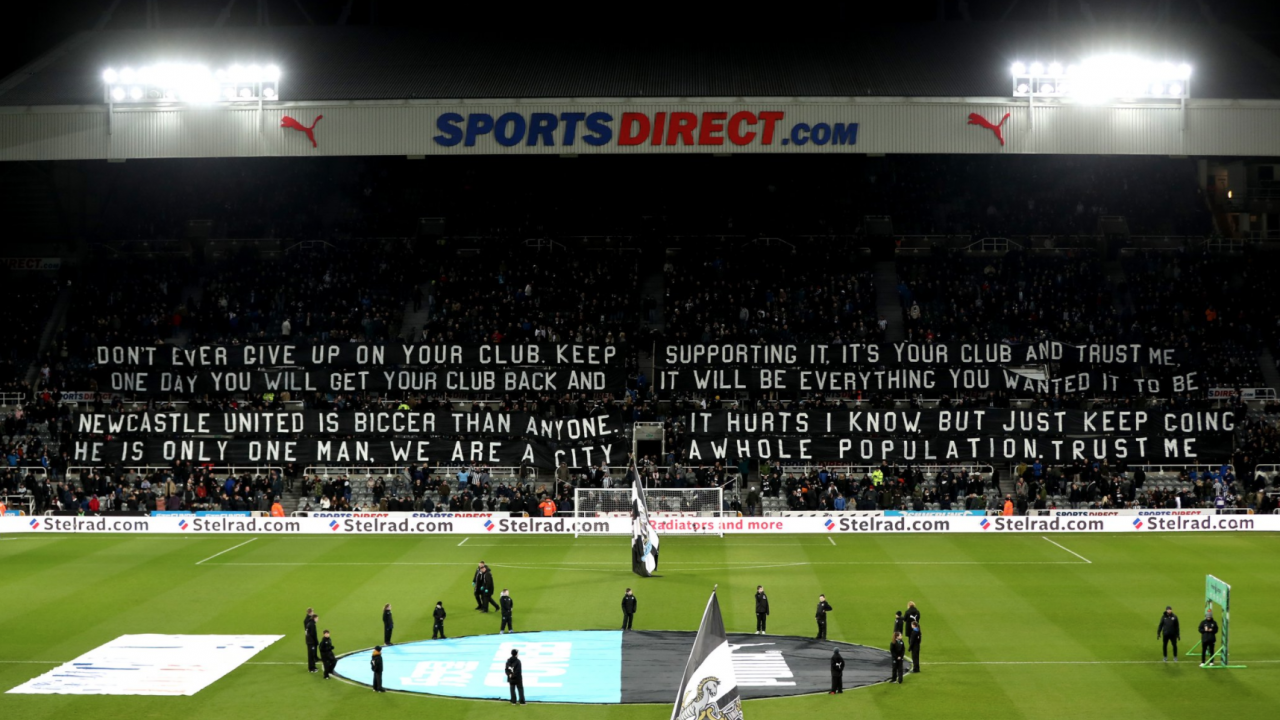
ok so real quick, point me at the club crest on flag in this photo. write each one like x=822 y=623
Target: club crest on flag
x=709 y=687
x=701 y=704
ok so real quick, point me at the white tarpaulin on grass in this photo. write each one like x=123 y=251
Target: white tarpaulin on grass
x=149 y=665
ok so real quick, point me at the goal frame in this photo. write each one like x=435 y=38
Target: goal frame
x=619 y=505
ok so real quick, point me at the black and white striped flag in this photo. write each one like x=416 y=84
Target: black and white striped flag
x=709 y=689
x=644 y=538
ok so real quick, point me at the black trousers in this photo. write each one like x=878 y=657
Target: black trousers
x=1206 y=650
x=506 y=623
x=761 y=620
x=330 y=662
x=517 y=685
x=386 y=634
x=1165 y=646
x=486 y=600
x=837 y=682
x=915 y=658
x=822 y=629
x=897 y=671
x=377 y=682
x=437 y=630
x=479 y=595
x=626 y=620
x=312 y=657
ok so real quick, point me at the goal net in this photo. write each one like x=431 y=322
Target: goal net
x=666 y=506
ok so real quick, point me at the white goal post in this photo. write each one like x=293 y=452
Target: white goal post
x=664 y=504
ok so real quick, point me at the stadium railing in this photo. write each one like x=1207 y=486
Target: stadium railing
x=504 y=471
x=79 y=470
x=7 y=398
x=23 y=500
x=1174 y=469
x=986 y=470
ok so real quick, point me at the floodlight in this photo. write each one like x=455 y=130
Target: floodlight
x=192 y=83
x=1102 y=77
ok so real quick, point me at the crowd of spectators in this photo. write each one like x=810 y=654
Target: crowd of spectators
x=1018 y=297
x=1018 y=196
x=356 y=290
x=1202 y=304
x=30 y=296
x=884 y=488
x=813 y=292
x=535 y=296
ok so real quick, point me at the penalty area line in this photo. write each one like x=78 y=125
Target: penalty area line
x=246 y=542
x=833 y=542
x=464 y=541
x=1073 y=552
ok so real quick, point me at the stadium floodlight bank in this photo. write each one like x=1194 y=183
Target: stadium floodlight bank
x=666 y=505
x=191 y=83
x=1105 y=77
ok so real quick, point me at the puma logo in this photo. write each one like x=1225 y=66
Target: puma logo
x=976 y=119
x=288 y=122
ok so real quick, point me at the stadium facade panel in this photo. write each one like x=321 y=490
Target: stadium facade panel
x=642 y=126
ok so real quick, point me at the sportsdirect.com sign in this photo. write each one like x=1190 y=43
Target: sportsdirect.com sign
x=706 y=129
x=849 y=523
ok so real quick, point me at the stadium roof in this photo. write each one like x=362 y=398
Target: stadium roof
x=365 y=63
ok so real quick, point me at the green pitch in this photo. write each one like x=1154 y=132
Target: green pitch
x=1015 y=626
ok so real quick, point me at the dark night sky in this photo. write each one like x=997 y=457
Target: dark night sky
x=38 y=27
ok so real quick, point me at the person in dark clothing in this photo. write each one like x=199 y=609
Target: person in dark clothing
x=326 y=655
x=375 y=664
x=313 y=642
x=762 y=610
x=485 y=585
x=514 y=677
x=898 y=625
x=1169 y=631
x=437 y=630
x=505 y=604
x=628 y=609
x=1208 y=638
x=837 y=673
x=898 y=651
x=388 y=624
x=915 y=646
x=824 y=607
x=477 y=587
x=912 y=614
